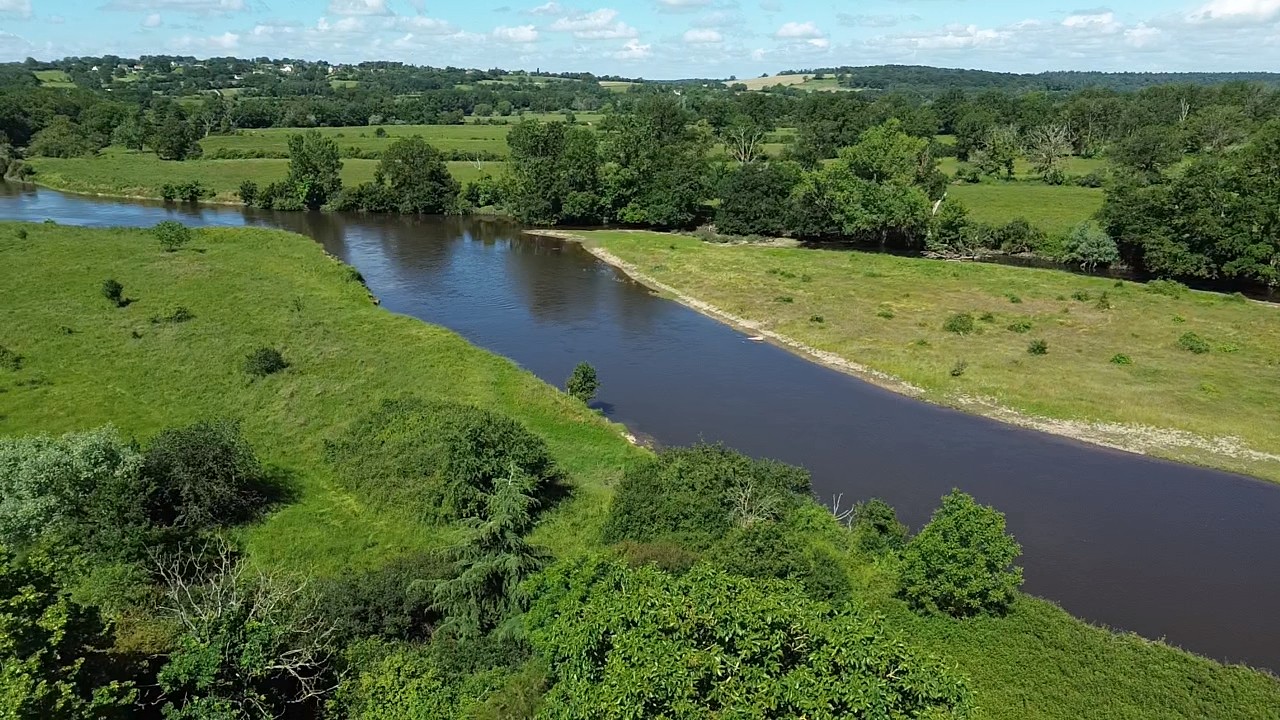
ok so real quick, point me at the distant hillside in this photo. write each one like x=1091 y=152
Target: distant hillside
x=924 y=79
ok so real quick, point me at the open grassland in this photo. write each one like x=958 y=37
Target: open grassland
x=1118 y=353
x=130 y=174
x=88 y=363
x=463 y=138
x=54 y=78
x=1022 y=170
x=761 y=83
x=1052 y=208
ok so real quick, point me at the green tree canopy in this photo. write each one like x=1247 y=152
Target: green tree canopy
x=418 y=177
x=314 y=168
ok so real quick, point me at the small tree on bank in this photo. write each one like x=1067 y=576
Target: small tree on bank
x=172 y=235
x=583 y=383
x=961 y=563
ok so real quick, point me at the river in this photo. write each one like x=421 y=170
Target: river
x=1164 y=550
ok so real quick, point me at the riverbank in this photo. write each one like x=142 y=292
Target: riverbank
x=248 y=288
x=1176 y=374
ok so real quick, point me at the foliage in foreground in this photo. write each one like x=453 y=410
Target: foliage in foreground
x=627 y=642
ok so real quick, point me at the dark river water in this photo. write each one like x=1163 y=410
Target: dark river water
x=1165 y=550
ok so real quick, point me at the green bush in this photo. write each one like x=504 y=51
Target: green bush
x=960 y=324
x=583 y=383
x=666 y=556
x=1014 y=299
x=961 y=563
x=10 y=360
x=818 y=319
x=959 y=368
x=1170 y=288
x=204 y=476
x=876 y=529
x=766 y=551
x=785 y=299
x=1104 y=302
x=264 y=361
x=113 y=291
x=20 y=233
x=392 y=602
x=885 y=313
x=1192 y=342
x=1121 y=359
x=171 y=234
x=1038 y=347
x=707 y=644
x=248 y=192
x=694 y=496
x=439 y=460
x=1089 y=246
x=1081 y=295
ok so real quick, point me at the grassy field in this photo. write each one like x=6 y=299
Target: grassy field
x=130 y=174
x=761 y=83
x=88 y=363
x=1022 y=170
x=1054 y=209
x=464 y=138
x=54 y=78
x=887 y=313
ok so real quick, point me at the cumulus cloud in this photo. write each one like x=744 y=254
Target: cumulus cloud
x=799 y=31
x=1238 y=10
x=359 y=7
x=1093 y=22
x=599 y=24
x=21 y=8
x=633 y=50
x=518 y=34
x=152 y=21
x=700 y=36
x=682 y=5
x=873 y=21
x=195 y=7
x=424 y=25
x=553 y=8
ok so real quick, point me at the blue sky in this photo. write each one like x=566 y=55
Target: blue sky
x=665 y=38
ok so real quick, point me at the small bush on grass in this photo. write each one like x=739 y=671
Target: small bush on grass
x=264 y=361
x=1169 y=288
x=1121 y=359
x=21 y=233
x=172 y=235
x=885 y=313
x=177 y=316
x=248 y=192
x=960 y=324
x=961 y=563
x=1014 y=299
x=114 y=291
x=787 y=299
x=10 y=360
x=1193 y=343
x=817 y=319
x=1038 y=347
x=1104 y=302
x=987 y=317
x=583 y=384
x=959 y=368
x=1081 y=295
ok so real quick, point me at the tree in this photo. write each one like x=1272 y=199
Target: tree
x=961 y=563
x=171 y=234
x=418 y=178
x=174 y=138
x=251 y=644
x=755 y=198
x=743 y=139
x=48 y=647
x=1089 y=246
x=63 y=138
x=1047 y=147
x=113 y=291
x=999 y=152
x=1148 y=151
x=951 y=231
x=493 y=560
x=707 y=644
x=656 y=164
x=876 y=527
x=583 y=383
x=315 y=169
x=555 y=171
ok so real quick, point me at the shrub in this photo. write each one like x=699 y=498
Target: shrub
x=583 y=383
x=113 y=291
x=885 y=313
x=21 y=233
x=626 y=638
x=1038 y=347
x=817 y=319
x=264 y=361
x=1192 y=342
x=987 y=317
x=1093 y=179
x=205 y=476
x=10 y=360
x=960 y=324
x=439 y=460
x=1170 y=288
x=961 y=563
x=766 y=551
x=1014 y=299
x=1089 y=246
x=694 y=496
x=171 y=234
x=1121 y=359
x=1017 y=236
x=666 y=556
x=248 y=192
x=1104 y=302
x=958 y=369
x=380 y=132
x=392 y=602
x=1081 y=295
x=876 y=528
x=785 y=299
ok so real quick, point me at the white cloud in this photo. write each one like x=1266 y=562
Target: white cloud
x=682 y=5
x=702 y=36
x=519 y=34
x=599 y=24
x=799 y=31
x=633 y=50
x=359 y=7
x=424 y=25
x=21 y=8
x=195 y=7
x=1239 y=10
x=152 y=21
x=212 y=44
x=822 y=43
x=1093 y=22
x=551 y=8
x=1142 y=36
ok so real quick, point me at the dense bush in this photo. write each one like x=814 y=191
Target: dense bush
x=264 y=361
x=583 y=383
x=416 y=174
x=1089 y=246
x=10 y=360
x=960 y=324
x=1168 y=288
x=113 y=291
x=248 y=192
x=694 y=496
x=755 y=199
x=193 y=191
x=961 y=563
x=620 y=639
x=767 y=551
x=439 y=460
x=876 y=528
x=392 y=602
x=171 y=234
x=1193 y=343
x=203 y=476
x=1038 y=347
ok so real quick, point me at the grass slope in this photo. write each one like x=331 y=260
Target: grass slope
x=252 y=287
x=888 y=312
x=467 y=138
x=248 y=289
x=131 y=174
x=1054 y=209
